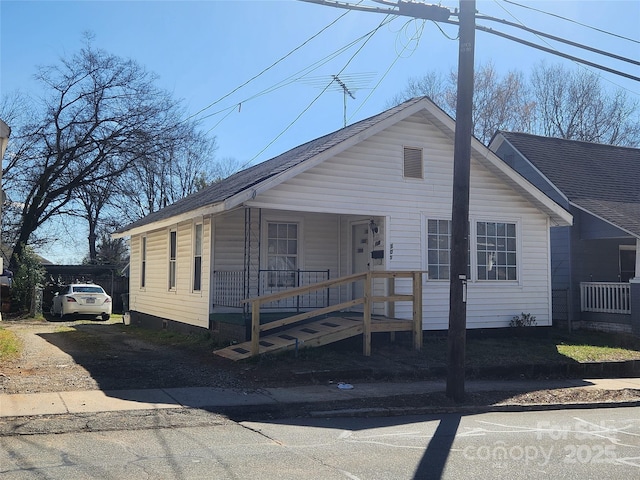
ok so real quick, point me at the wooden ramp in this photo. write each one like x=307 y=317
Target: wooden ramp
x=314 y=334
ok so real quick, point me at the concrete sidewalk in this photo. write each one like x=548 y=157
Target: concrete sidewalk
x=19 y=405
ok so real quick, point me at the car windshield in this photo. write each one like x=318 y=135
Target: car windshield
x=87 y=289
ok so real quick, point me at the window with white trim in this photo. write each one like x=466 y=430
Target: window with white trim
x=173 y=254
x=282 y=254
x=439 y=250
x=197 y=257
x=143 y=261
x=496 y=249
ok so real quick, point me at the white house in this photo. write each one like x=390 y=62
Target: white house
x=375 y=195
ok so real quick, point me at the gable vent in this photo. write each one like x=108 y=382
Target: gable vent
x=412 y=162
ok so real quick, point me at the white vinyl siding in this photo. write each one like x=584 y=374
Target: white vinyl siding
x=154 y=299
x=363 y=183
x=367 y=180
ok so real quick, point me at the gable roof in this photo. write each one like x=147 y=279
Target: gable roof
x=603 y=180
x=246 y=184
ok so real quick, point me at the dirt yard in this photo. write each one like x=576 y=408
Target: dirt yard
x=98 y=356
x=67 y=356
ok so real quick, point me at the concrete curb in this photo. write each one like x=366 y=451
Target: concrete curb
x=621 y=369
x=466 y=409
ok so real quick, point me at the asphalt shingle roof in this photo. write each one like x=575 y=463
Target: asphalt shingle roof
x=602 y=179
x=251 y=176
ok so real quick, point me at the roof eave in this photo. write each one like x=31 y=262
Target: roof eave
x=207 y=210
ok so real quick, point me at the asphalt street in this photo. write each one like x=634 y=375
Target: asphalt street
x=575 y=444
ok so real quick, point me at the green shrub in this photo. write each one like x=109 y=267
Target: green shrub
x=523 y=320
x=29 y=274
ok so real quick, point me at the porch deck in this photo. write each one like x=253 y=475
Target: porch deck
x=315 y=334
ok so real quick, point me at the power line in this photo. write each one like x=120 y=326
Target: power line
x=558 y=39
x=521 y=23
x=573 y=21
x=418 y=36
x=557 y=53
x=294 y=77
x=333 y=3
x=370 y=36
x=269 y=67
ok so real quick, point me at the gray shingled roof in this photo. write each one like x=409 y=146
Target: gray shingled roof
x=602 y=179
x=246 y=179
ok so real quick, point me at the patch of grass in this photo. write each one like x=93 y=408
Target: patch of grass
x=591 y=353
x=81 y=339
x=10 y=345
x=555 y=347
x=194 y=341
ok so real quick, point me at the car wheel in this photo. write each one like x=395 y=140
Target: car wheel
x=106 y=316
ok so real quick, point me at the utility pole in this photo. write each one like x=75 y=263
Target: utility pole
x=459 y=260
x=460 y=208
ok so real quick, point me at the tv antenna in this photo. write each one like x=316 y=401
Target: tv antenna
x=348 y=84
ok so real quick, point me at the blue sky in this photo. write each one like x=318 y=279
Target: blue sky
x=203 y=50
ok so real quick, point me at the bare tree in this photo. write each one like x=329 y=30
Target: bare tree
x=94 y=198
x=499 y=103
x=433 y=84
x=226 y=167
x=572 y=104
x=101 y=116
x=180 y=169
x=555 y=102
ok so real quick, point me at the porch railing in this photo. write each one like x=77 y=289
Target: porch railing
x=605 y=297
x=276 y=281
x=367 y=301
x=229 y=288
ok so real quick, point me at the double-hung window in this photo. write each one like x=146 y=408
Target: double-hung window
x=173 y=253
x=197 y=257
x=143 y=261
x=438 y=248
x=496 y=246
x=282 y=254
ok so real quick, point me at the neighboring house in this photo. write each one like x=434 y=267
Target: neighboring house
x=375 y=195
x=594 y=260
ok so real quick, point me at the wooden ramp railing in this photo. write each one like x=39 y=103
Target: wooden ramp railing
x=318 y=333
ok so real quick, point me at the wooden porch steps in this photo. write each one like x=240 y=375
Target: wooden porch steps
x=314 y=334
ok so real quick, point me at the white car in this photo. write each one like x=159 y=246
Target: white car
x=82 y=299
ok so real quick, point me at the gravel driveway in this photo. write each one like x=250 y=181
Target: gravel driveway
x=98 y=355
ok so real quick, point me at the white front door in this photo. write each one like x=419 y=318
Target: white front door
x=360 y=254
